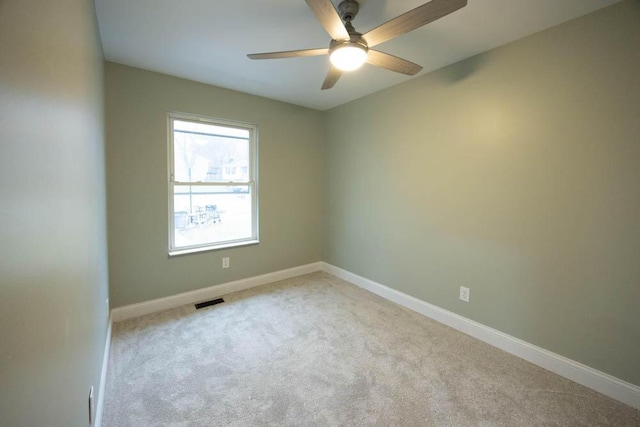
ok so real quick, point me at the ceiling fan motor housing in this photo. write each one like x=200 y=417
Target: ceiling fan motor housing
x=355 y=39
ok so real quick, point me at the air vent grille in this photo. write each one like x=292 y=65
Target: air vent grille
x=208 y=303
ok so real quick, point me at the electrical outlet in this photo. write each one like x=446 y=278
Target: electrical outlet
x=225 y=262
x=464 y=294
x=92 y=409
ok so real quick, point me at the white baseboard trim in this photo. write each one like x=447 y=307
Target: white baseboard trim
x=596 y=380
x=160 y=304
x=599 y=381
x=103 y=378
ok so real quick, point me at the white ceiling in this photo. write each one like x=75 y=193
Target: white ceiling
x=208 y=40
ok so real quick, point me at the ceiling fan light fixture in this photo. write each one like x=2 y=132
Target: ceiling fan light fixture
x=349 y=49
x=348 y=56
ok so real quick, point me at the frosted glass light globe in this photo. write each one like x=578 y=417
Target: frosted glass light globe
x=348 y=57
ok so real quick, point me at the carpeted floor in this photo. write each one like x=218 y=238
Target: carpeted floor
x=316 y=350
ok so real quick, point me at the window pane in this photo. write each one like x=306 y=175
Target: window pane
x=211 y=214
x=209 y=153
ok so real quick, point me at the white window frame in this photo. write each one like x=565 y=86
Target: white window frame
x=252 y=182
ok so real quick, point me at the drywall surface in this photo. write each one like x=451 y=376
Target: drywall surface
x=53 y=258
x=515 y=173
x=290 y=185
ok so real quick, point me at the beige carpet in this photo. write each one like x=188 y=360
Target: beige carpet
x=316 y=350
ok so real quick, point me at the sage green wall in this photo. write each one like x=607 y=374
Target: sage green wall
x=290 y=184
x=53 y=258
x=515 y=173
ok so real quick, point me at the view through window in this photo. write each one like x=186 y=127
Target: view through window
x=213 y=194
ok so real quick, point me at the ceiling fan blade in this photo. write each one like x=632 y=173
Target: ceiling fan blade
x=289 y=54
x=411 y=20
x=329 y=18
x=393 y=63
x=332 y=77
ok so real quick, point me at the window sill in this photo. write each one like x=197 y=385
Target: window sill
x=180 y=252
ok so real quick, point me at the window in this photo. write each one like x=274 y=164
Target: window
x=213 y=195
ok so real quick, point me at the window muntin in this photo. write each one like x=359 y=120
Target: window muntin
x=212 y=184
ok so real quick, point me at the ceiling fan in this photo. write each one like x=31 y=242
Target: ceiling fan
x=349 y=49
